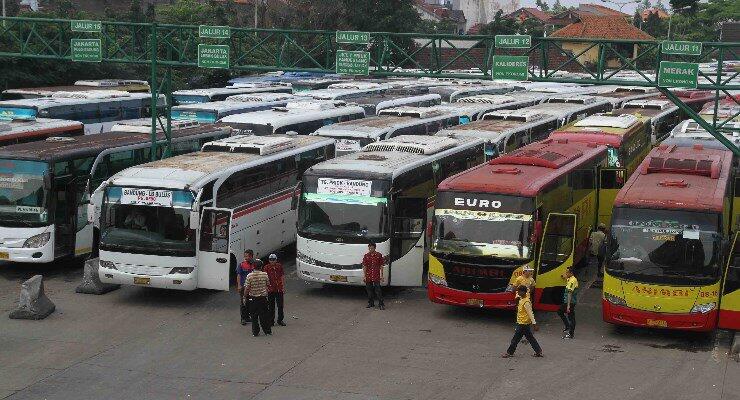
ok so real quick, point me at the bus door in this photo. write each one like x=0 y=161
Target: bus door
x=556 y=255
x=213 y=260
x=611 y=181
x=65 y=207
x=407 y=242
x=729 y=302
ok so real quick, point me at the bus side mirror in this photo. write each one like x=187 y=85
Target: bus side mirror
x=194 y=220
x=91 y=213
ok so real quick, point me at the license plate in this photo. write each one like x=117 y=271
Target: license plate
x=4 y=255
x=337 y=278
x=657 y=322
x=141 y=281
x=475 y=302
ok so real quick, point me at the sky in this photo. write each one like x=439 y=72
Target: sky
x=628 y=9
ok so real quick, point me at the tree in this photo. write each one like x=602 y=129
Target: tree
x=660 y=6
x=500 y=26
x=557 y=7
x=646 y=4
x=680 y=4
x=531 y=27
x=655 y=26
x=381 y=15
x=134 y=13
x=703 y=25
x=542 y=5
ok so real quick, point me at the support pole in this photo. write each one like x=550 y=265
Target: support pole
x=154 y=88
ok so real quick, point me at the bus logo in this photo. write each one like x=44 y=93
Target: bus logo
x=481 y=203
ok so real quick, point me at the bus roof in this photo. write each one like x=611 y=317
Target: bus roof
x=503 y=99
x=292 y=112
x=527 y=171
x=57 y=148
x=373 y=126
x=607 y=129
x=390 y=158
x=684 y=178
x=236 y=89
x=495 y=126
x=38 y=127
x=234 y=103
x=78 y=98
x=193 y=170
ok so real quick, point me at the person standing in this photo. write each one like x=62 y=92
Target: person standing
x=525 y=322
x=567 y=311
x=597 y=246
x=276 y=290
x=526 y=280
x=242 y=270
x=372 y=271
x=255 y=286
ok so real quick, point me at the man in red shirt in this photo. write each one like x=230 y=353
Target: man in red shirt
x=372 y=270
x=276 y=290
x=242 y=270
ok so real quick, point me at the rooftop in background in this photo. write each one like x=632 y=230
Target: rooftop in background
x=526 y=13
x=601 y=27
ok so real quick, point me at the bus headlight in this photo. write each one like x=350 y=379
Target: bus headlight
x=107 y=265
x=37 y=240
x=182 y=270
x=616 y=300
x=304 y=258
x=703 y=308
x=438 y=280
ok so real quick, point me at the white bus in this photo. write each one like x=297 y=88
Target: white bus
x=97 y=110
x=384 y=195
x=451 y=93
x=351 y=136
x=45 y=187
x=126 y=85
x=302 y=117
x=507 y=101
x=22 y=131
x=184 y=222
x=346 y=91
x=193 y=96
x=376 y=102
x=622 y=94
x=237 y=104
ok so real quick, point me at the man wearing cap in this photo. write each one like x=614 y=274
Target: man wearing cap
x=597 y=246
x=526 y=280
x=276 y=290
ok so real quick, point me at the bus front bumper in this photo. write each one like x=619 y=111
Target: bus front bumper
x=621 y=315
x=12 y=250
x=445 y=295
x=314 y=273
x=169 y=281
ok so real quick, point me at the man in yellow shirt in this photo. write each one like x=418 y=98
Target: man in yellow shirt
x=567 y=311
x=526 y=280
x=525 y=322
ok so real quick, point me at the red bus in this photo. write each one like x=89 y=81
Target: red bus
x=21 y=131
x=669 y=235
x=488 y=224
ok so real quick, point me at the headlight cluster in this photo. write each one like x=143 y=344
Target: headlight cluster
x=438 y=280
x=107 y=265
x=615 y=299
x=703 y=308
x=37 y=240
x=304 y=258
x=182 y=270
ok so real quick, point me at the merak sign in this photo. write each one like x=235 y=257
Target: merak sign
x=678 y=74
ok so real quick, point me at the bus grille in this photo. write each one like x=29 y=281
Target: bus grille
x=477 y=279
x=143 y=269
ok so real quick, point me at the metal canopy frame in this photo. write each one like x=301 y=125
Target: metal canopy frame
x=163 y=46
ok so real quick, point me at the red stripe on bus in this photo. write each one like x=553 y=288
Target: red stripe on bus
x=262 y=205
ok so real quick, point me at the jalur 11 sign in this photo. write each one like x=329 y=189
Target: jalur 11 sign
x=678 y=74
x=681 y=48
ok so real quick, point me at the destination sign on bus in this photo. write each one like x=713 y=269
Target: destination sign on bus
x=146 y=197
x=213 y=56
x=347 y=145
x=678 y=74
x=353 y=37
x=344 y=186
x=513 y=41
x=510 y=67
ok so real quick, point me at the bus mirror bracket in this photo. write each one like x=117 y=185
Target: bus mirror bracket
x=296 y=195
x=194 y=220
x=91 y=213
x=47 y=182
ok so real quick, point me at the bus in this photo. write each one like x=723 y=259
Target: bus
x=347 y=91
x=352 y=136
x=302 y=117
x=189 y=229
x=124 y=85
x=666 y=264
x=508 y=101
x=532 y=207
x=506 y=130
x=451 y=93
x=195 y=96
x=384 y=195
x=22 y=131
x=621 y=94
x=303 y=85
x=376 y=102
x=97 y=110
x=48 y=185
x=238 y=104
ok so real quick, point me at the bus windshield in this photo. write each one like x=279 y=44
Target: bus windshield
x=147 y=221
x=665 y=246
x=23 y=199
x=353 y=211
x=189 y=99
x=17 y=113
x=200 y=116
x=477 y=224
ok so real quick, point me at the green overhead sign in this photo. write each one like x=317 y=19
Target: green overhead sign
x=678 y=74
x=86 y=50
x=214 y=32
x=86 y=26
x=513 y=41
x=682 y=48
x=213 y=56
x=510 y=67
x=353 y=62
x=353 y=37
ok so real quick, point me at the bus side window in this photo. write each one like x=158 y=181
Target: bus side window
x=243 y=187
x=214 y=236
x=611 y=179
x=309 y=158
x=557 y=244
x=286 y=173
x=582 y=182
x=408 y=224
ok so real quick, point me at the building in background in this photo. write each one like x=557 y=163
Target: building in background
x=572 y=16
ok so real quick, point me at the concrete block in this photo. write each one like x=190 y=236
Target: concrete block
x=91 y=283
x=735 y=347
x=33 y=302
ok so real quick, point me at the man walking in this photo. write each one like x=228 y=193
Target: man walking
x=372 y=271
x=242 y=270
x=567 y=311
x=276 y=290
x=597 y=247
x=255 y=286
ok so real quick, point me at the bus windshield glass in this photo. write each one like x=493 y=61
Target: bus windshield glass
x=200 y=116
x=189 y=99
x=17 y=113
x=478 y=224
x=147 y=221
x=351 y=210
x=665 y=246
x=23 y=199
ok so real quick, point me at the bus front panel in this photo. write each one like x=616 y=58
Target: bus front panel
x=663 y=270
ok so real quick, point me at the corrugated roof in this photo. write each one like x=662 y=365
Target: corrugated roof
x=601 y=27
